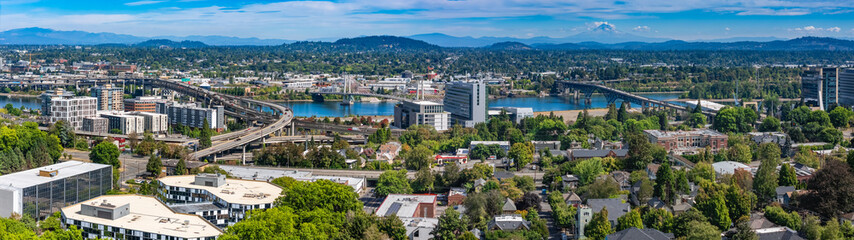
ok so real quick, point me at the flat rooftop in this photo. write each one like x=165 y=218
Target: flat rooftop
x=669 y=134
x=195 y=207
x=246 y=192
x=147 y=214
x=28 y=178
x=262 y=174
x=403 y=205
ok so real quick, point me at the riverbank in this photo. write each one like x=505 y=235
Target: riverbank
x=17 y=95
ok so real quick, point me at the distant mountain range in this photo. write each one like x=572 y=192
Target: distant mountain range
x=43 y=36
x=602 y=37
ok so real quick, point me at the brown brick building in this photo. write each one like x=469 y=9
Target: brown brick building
x=688 y=142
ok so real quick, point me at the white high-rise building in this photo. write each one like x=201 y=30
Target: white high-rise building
x=467 y=102
x=64 y=107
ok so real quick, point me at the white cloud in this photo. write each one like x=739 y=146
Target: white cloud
x=641 y=29
x=727 y=29
x=814 y=29
x=144 y=2
x=594 y=25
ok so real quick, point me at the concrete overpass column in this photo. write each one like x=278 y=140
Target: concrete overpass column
x=243 y=155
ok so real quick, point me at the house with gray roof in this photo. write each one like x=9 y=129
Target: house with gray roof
x=509 y=222
x=778 y=233
x=640 y=234
x=581 y=154
x=509 y=206
x=784 y=194
x=616 y=207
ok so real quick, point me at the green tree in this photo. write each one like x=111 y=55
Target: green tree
x=765 y=181
x=599 y=227
x=769 y=152
x=812 y=227
x=321 y=194
x=205 y=135
x=423 y=181
x=181 y=167
x=393 y=227
x=393 y=182
x=744 y=232
x=690 y=216
x=630 y=220
x=696 y=120
x=702 y=170
x=105 y=153
x=713 y=205
x=623 y=113
x=831 y=230
x=154 y=165
x=659 y=219
x=787 y=176
x=664 y=183
x=832 y=189
x=418 y=158
x=770 y=124
x=839 y=116
x=739 y=202
x=451 y=225
x=702 y=231
x=740 y=152
x=521 y=155
x=587 y=170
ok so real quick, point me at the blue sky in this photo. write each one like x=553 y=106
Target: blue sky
x=301 y=20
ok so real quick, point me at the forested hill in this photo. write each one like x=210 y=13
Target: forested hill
x=170 y=43
x=390 y=42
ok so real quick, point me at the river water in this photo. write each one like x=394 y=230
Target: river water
x=335 y=109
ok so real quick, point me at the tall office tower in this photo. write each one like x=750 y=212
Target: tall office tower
x=466 y=101
x=109 y=97
x=819 y=87
x=846 y=87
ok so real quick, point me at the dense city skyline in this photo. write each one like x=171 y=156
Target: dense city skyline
x=326 y=20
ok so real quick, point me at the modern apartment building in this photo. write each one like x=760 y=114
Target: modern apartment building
x=192 y=116
x=846 y=87
x=466 y=101
x=125 y=123
x=819 y=87
x=110 y=98
x=96 y=124
x=143 y=104
x=234 y=196
x=154 y=122
x=41 y=191
x=59 y=106
x=135 y=217
x=410 y=113
x=688 y=141
x=516 y=114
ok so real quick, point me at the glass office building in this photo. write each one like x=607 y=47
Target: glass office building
x=41 y=191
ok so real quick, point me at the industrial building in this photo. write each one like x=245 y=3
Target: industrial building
x=110 y=98
x=42 y=191
x=235 y=196
x=135 y=217
x=126 y=124
x=466 y=101
x=60 y=106
x=143 y=104
x=192 y=116
x=96 y=124
x=410 y=113
x=408 y=205
x=516 y=114
x=154 y=122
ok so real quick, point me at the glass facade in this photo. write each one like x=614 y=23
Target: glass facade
x=41 y=200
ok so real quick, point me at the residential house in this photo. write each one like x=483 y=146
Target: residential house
x=729 y=167
x=456 y=196
x=388 y=152
x=634 y=233
x=570 y=181
x=509 y=207
x=784 y=194
x=616 y=207
x=778 y=233
x=582 y=154
x=419 y=228
x=623 y=179
x=509 y=222
x=573 y=199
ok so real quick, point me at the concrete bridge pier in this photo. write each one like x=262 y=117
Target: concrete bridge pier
x=243 y=155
